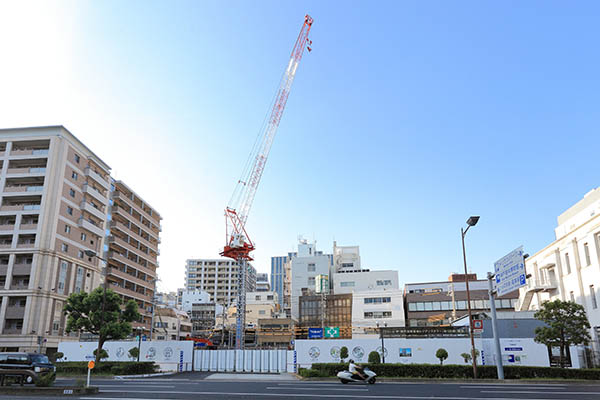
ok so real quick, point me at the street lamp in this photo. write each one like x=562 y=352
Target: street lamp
x=381 y=336
x=91 y=254
x=472 y=221
x=139 y=334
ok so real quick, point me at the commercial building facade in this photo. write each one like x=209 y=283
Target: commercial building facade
x=319 y=311
x=383 y=307
x=171 y=324
x=278 y=274
x=365 y=280
x=569 y=268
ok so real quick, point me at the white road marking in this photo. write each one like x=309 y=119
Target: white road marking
x=501 y=387
x=135 y=386
x=320 y=388
x=534 y=392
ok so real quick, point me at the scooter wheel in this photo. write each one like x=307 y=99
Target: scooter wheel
x=372 y=381
x=344 y=381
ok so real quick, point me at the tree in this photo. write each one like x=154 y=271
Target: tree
x=374 y=357
x=134 y=352
x=442 y=354
x=103 y=354
x=467 y=356
x=84 y=311
x=343 y=353
x=566 y=325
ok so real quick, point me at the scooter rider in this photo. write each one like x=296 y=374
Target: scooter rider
x=356 y=369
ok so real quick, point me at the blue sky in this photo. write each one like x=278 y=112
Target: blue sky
x=406 y=118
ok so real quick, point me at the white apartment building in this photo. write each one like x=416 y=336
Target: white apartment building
x=369 y=308
x=218 y=277
x=262 y=282
x=191 y=297
x=305 y=266
x=364 y=280
x=345 y=258
x=569 y=267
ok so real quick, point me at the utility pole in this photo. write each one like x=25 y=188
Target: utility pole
x=498 y=350
x=470 y=222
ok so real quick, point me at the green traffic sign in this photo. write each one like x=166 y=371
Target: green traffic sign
x=332 y=331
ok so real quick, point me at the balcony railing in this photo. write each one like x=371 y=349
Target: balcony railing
x=85 y=206
x=538 y=285
x=27 y=170
x=5 y=245
x=95 y=194
x=20 y=207
x=24 y=189
x=97 y=177
x=25 y=244
x=90 y=226
x=27 y=152
x=28 y=226
x=7 y=227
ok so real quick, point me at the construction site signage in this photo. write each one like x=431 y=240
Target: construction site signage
x=510 y=272
x=332 y=332
x=315 y=333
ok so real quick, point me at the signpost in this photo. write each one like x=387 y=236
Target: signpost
x=91 y=366
x=477 y=325
x=332 y=332
x=315 y=333
x=509 y=272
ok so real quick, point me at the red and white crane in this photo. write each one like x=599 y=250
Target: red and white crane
x=238 y=244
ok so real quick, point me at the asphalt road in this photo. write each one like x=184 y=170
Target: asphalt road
x=281 y=387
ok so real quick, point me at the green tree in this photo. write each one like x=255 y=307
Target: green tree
x=103 y=354
x=374 y=357
x=84 y=311
x=442 y=354
x=134 y=352
x=343 y=353
x=566 y=325
x=467 y=356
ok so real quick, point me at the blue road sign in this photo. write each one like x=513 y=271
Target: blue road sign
x=510 y=272
x=315 y=333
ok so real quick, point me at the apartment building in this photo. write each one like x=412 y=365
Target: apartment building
x=133 y=249
x=383 y=307
x=217 y=277
x=569 y=267
x=262 y=282
x=55 y=195
x=352 y=281
x=171 y=324
x=440 y=303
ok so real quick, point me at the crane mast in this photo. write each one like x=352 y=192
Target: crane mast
x=238 y=244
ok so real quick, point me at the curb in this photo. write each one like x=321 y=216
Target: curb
x=119 y=377
x=471 y=381
x=52 y=391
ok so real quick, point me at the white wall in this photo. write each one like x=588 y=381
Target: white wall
x=348 y=282
x=301 y=275
x=195 y=296
x=169 y=355
x=422 y=351
x=395 y=306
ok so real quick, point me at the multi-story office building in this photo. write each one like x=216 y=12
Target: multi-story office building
x=217 y=277
x=278 y=275
x=133 y=249
x=319 y=311
x=258 y=305
x=57 y=199
x=262 y=282
x=383 y=307
x=569 y=268
x=191 y=297
x=55 y=192
x=364 y=280
x=439 y=303
x=305 y=266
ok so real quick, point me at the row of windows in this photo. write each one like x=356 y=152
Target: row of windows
x=377 y=300
x=377 y=314
x=459 y=305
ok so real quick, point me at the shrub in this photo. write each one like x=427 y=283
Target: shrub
x=343 y=353
x=374 y=358
x=45 y=380
x=442 y=354
x=55 y=356
x=311 y=373
x=134 y=352
x=107 y=368
x=103 y=354
x=435 y=371
x=467 y=357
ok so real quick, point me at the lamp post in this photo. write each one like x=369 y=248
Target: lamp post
x=139 y=334
x=91 y=254
x=381 y=336
x=472 y=221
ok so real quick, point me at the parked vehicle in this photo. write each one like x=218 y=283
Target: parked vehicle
x=30 y=366
x=347 y=376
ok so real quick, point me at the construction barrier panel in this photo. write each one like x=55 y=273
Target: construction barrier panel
x=262 y=361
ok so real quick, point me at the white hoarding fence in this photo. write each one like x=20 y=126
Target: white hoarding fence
x=169 y=355
x=265 y=361
x=510 y=272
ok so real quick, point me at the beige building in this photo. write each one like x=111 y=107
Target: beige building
x=56 y=197
x=55 y=194
x=217 y=277
x=171 y=324
x=259 y=305
x=133 y=249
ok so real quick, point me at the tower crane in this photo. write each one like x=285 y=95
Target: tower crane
x=238 y=244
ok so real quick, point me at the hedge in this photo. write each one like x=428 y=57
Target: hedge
x=462 y=371
x=107 y=367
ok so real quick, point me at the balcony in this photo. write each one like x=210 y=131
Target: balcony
x=87 y=189
x=131 y=293
x=128 y=277
x=7 y=227
x=28 y=226
x=15 y=312
x=96 y=177
x=121 y=258
x=20 y=207
x=86 y=224
x=21 y=269
x=24 y=189
x=85 y=206
x=538 y=285
x=26 y=244
x=29 y=152
x=26 y=171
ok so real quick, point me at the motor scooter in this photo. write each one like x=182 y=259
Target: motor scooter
x=347 y=376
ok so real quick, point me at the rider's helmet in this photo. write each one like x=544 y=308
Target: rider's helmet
x=351 y=361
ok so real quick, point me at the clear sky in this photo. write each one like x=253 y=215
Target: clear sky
x=406 y=118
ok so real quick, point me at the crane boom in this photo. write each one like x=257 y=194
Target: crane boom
x=237 y=243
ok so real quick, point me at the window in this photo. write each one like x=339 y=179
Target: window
x=67 y=229
x=311 y=281
x=55 y=326
x=64 y=247
x=567 y=263
x=384 y=282
x=74 y=175
x=377 y=300
x=80 y=254
x=377 y=314
x=572 y=295
x=262 y=312
x=586 y=252
x=593 y=297
x=347 y=284
x=62 y=277
x=79 y=280
x=420 y=306
x=311 y=268
x=71 y=193
x=428 y=306
x=257 y=297
x=269 y=297
x=77 y=158
x=83 y=236
x=412 y=306
x=70 y=210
